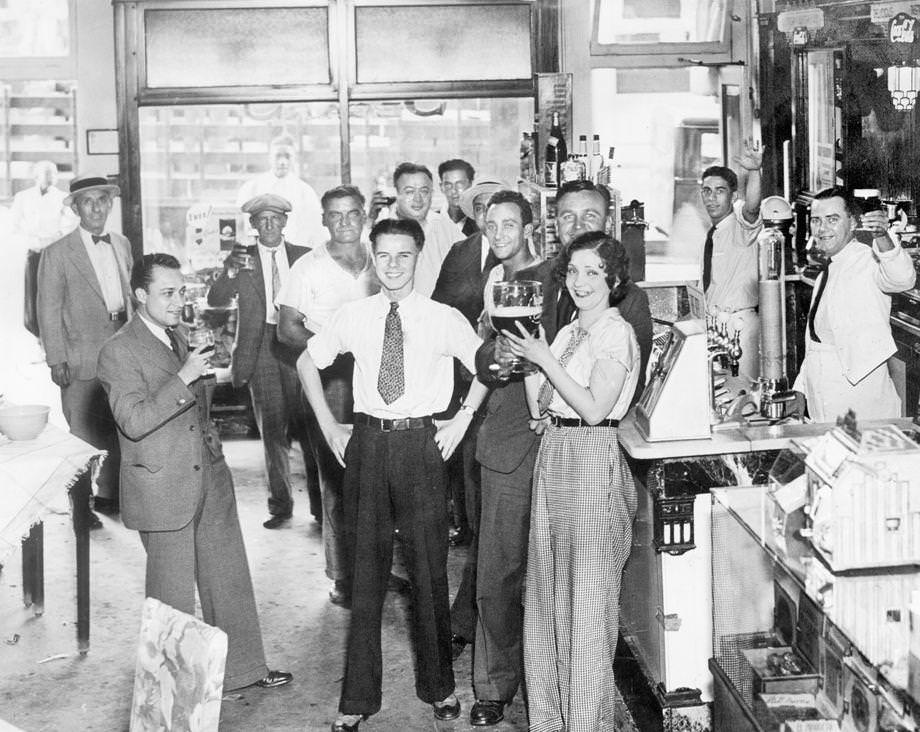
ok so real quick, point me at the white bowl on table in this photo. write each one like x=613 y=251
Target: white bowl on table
x=23 y=421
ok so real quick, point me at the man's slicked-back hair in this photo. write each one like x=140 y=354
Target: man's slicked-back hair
x=517 y=199
x=405 y=227
x=410 y=169
x=342 y=191
x=142 y=271
x=720 y=171
x=457 y=164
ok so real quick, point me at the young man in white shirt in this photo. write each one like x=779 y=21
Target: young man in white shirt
x=329 y=276
x=403 y=346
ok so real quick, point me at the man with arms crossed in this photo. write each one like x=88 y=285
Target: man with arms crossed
x=176 y=487
x=403 y=346
x=321 y=282
x=849 y=341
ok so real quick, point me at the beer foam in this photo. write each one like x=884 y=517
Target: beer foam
x=516 y=311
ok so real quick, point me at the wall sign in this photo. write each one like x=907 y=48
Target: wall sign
x=902 y=28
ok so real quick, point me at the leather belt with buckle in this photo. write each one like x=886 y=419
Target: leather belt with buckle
x=393 y=425
x=120 y=317
x=575 y=422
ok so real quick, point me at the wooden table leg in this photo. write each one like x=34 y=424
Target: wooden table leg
x=38 y=564
x=28 y=549
x=80 y=494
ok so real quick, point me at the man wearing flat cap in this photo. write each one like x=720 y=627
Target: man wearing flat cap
x=83 y=299
x=260 y=360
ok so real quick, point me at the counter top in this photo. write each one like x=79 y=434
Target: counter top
x=732 y=441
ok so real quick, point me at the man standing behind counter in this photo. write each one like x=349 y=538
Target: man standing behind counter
x=260 y=359
x=177 y=488
x=83 y=298
x=729 y=262
x=849 y=340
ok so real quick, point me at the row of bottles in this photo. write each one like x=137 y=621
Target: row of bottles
x=560 y=166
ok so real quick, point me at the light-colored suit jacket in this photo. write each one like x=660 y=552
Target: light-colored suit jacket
x=164 y=428
x=73 y=320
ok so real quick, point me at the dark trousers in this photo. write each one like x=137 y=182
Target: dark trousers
x=278 y=406
x=463 y=609
x=395 y=480
x=86 y=409
x=504 y=529
x=209 y=552
x=337 y=390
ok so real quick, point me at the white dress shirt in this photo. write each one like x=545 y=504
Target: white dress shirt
x=41 y=218
x=609 y=338
x=433 y=335
x=734 y=263
x=318 y=286
x=265 y=256
x=105 y=265
x=159 y=332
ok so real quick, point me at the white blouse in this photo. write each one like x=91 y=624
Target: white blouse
x=609 y=337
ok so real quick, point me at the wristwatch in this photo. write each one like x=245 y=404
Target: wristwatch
x=468 y=409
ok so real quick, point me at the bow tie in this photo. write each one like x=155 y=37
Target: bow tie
x=105 y=237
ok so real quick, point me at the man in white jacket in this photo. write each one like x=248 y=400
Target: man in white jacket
x=849 y=340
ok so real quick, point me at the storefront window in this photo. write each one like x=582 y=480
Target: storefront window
x=660 y=21
x=34 y=28
x=485 y=132
x=663 y=139
x=195 y=159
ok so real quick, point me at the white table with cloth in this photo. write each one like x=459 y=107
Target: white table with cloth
x=38 y=477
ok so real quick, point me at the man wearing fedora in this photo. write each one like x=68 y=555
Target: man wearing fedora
x=260 y=360
x=83 y=299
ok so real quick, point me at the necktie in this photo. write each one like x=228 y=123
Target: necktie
x=546 y=390
x=814 y=303
x=707 y=259
x=276 y=277
x=174 y=341
x=391 y=377
x=105 y=237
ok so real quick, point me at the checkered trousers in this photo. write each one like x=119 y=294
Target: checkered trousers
x=584 y=502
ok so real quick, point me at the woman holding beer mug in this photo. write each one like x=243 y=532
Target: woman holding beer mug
x=584 y=499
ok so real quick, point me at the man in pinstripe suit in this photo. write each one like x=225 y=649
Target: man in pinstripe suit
x=260 y=359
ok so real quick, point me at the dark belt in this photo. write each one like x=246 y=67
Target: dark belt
x=120 y=317
x=393 y=425
x=574 y=422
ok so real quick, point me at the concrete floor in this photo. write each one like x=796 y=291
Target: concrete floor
x=46 y=686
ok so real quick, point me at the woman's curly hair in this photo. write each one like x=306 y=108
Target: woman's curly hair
x=613 y=257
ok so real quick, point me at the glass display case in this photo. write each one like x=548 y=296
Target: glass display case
x=782 y=653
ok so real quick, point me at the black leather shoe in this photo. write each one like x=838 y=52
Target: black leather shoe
x=458 y=536
x=457 y=645
x=274 y=679
x=108 y=506
x=486 y=712
x=340 y=726
x=339 y=595
x=275 y=521
x=446 y=711
x=93 y=521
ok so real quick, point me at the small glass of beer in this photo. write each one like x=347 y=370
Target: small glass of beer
x=513 y=302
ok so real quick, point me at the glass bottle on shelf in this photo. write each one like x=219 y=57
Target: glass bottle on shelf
x=556 y=154
x=597 y=160
x=572 y=169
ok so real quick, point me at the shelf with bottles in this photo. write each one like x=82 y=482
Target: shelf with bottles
x=779 y=653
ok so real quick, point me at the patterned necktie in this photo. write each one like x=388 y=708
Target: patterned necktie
x=105 y=237
x=174 y=341
x=546 y=390
x=814 y=303
x=707 y=259
x=276 y=277
x=391 y=377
